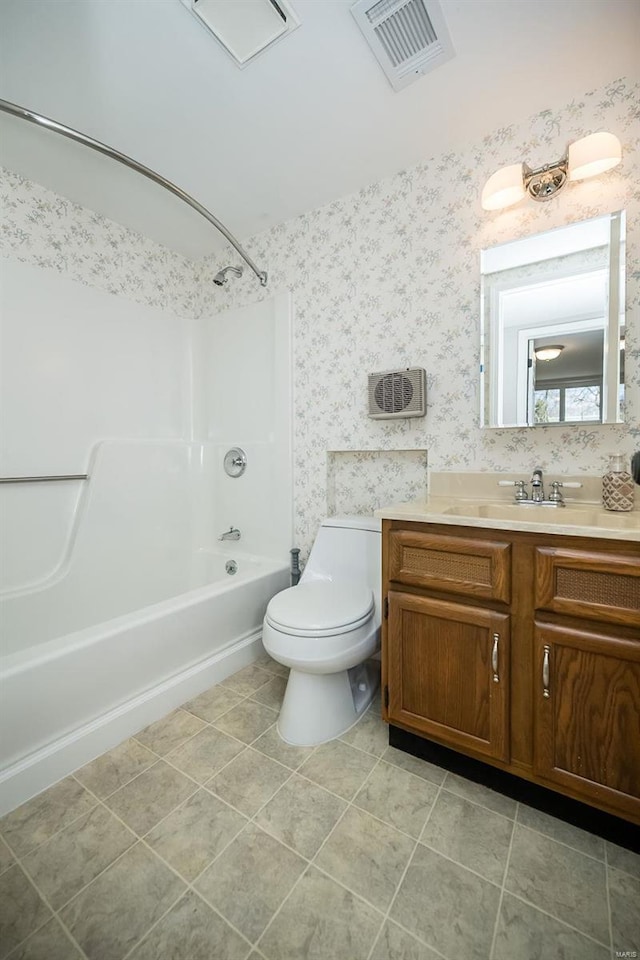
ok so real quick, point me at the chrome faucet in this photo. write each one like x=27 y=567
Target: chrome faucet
x=537 y=487
x=555 y=499
x=231 y=534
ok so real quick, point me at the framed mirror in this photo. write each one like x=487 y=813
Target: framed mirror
x=552 y=326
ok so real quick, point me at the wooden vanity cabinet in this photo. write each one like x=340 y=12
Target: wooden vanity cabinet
x=587 y=704
x=522 y=650
x=587 y=715
x=449 y=672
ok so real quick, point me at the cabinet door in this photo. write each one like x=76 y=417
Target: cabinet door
x=587 y=715
x=448 y=672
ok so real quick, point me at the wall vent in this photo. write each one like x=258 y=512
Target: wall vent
x=408 y=37
x=244 y=29
x=398 y=393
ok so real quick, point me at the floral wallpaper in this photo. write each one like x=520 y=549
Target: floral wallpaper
x=360 y=481
x=42 y=228
x=386 y=277
x=390 y=277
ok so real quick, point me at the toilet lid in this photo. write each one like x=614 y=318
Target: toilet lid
x=321 y=606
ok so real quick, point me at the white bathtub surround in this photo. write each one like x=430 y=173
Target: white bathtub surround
x=144 y=533
x=248 y=402
x=116 y=603
x=80 y=365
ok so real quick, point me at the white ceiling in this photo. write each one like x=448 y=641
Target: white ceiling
x=312 y=119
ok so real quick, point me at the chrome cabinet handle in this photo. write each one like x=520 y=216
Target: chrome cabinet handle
x=545 y=672
x=494 y=658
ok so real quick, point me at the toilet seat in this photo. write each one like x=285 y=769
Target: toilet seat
x=320 y=608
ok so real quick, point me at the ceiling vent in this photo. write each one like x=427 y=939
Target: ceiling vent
x=245 y=29
x=408 y=37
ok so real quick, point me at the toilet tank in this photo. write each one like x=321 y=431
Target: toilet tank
x=348 y=548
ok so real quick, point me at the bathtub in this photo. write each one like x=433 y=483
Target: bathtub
x=78 y=688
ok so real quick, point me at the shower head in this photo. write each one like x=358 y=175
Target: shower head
x=221 y=277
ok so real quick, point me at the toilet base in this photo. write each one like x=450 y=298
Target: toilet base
x=320 y=707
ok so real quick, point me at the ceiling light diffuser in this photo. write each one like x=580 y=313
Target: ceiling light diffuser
x=549 y=353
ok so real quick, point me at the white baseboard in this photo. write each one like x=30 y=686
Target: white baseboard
x=41 y=769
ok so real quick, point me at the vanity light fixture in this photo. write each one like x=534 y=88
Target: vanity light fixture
x=584 y=158
x=551 y=352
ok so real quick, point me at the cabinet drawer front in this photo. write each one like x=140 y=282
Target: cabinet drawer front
x=601 y=586
x=481 y=568
x=587 y=714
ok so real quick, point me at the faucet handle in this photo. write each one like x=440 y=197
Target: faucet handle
x=521 y=493
x=555 y=496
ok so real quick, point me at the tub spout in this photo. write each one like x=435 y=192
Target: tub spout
x=231 y=534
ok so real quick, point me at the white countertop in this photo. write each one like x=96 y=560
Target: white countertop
x=449 y=505
x=569 y=521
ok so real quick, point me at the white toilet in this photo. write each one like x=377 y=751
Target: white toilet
x=325 y=629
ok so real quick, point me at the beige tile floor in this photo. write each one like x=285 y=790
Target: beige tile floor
x=207 y=838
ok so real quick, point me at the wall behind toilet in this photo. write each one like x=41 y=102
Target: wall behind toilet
x=390 y=277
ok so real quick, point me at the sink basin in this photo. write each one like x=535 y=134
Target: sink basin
x=587 y=515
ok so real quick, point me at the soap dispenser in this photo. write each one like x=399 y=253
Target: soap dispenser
x=617 y=485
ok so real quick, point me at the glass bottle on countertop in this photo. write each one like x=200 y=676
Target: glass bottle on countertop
x=617 y=485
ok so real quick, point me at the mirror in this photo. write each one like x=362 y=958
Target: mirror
x=552 y=326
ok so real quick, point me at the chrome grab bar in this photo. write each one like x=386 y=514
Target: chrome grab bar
x=64 y=476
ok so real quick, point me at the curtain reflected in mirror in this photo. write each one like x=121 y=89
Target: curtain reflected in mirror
x=553 y=327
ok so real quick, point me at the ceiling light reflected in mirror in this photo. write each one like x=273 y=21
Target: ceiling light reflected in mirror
x=549 y=353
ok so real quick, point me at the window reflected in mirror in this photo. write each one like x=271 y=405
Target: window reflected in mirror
x=553 y=327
